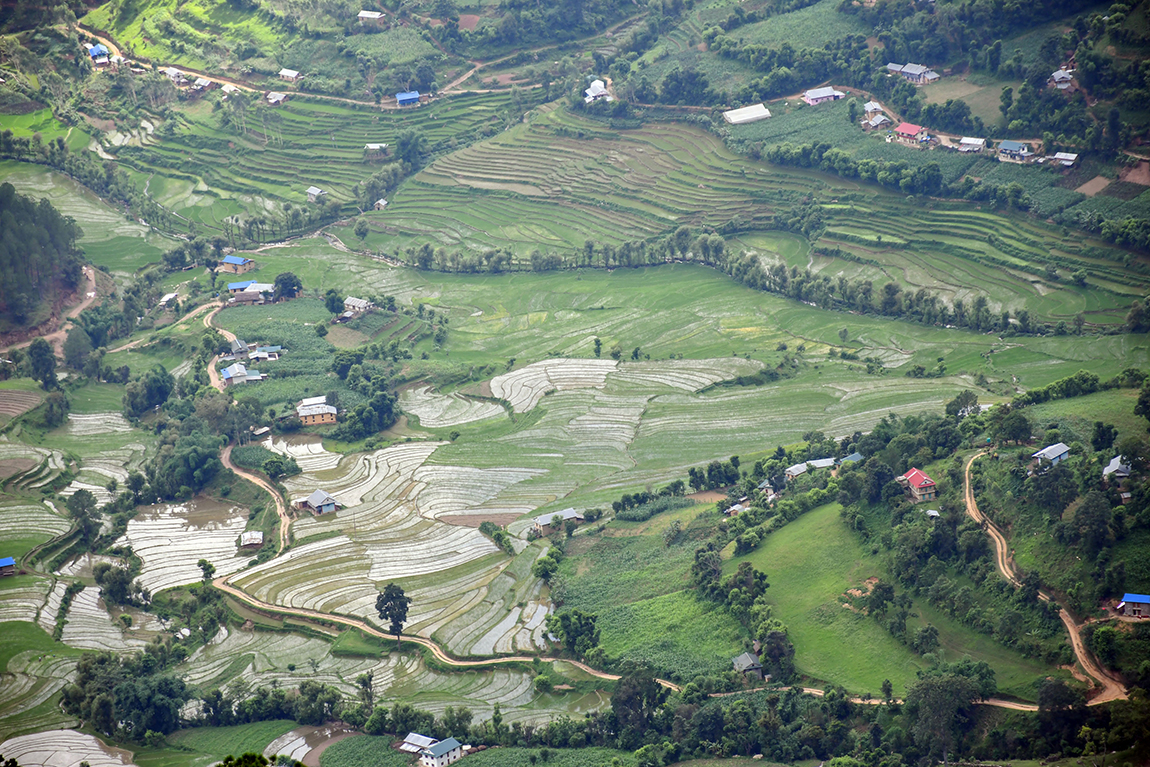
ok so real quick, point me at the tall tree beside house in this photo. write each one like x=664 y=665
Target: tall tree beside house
x=392 y=604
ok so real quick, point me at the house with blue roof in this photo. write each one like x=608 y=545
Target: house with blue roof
x=236 y=264
x=1135 y=605
x=407 y=98
x=238 y=287
x=854 y=457
x=442 y=753
x=8 y=566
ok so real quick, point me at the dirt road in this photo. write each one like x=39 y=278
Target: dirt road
x=213 y=374
x=281 y=507
x=194 y=313
x=1111 y=688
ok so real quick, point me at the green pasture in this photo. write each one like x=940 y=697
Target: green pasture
x=981 y=92
x=810 y=563
x=1075 y=418
x=44 y=123
x=814 y=25
x=376 y=751
x=97 y=397
x=206 y=745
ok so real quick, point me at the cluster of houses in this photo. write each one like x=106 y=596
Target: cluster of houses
x=432 y=752
x=249 y=292
x=319 y=502
x=238 y=372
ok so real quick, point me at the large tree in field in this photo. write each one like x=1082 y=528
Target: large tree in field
x=939 y=703
x=392 y=604
x=43 y=362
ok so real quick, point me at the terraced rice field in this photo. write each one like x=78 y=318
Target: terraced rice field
x=88 y=626
x=524 y=388
x=23 y=525
x=437 y=411
x=14 y=403
x=559 y=179
x=63 y=748
x=32 y=678
x=21 y=597
x=172 y=538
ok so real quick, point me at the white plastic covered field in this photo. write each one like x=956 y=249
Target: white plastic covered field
x=88 y=626
x=172 y=538
x=436 y=410
x=523 y=388
x=63 y=748
x=96 y=423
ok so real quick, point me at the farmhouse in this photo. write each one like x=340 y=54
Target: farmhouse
x=747 y=663
x=203 y=84
x=166 y=299
x=916 y=73
x=374 y=151
x=237 y=287
x=1066 y=159
x=255 y=293
x=819 y=95
x=1135 y=605
x=414 y=743
x=407 y=99
x=597 y=91
x=7 y=566
x=251 y=539
x=239 y=348
x=920 y=486
x=442 y=753
x=801 y=468
x=968 y=144
x=289 y=74
x=910 y=132
x=372 y=16
x=1052 y=454
x=875 y=121
x=276 y=98
x=1116 y=470
x=314 y=193
x=853 y=458
x=358 y=305
x=543 y=523
x=315 y=411
x=236 y=265
x=872 y=107
x=321 y=502
x=229 y=88
x=1014 y=149
x=173 y=74
x=99 y=55
x=380 y=204
x=750 y=114
x=237 y=373
x=1061 y=79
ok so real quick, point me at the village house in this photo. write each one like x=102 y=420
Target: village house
x=916 y=73
x=314 y=411
x=933 y=513
x=918 y=485
x=407 y=99
x=236 y=265
x=1065 y=159
x=735 y=510
x=229 y=88
x=251 y=539
x=374 y=151
x=320 y=502
x=239 y=287
x=1134 y=605
x=237 y=373
x=265 y=353
x=371 y=17
x=872 y=107
x=239 y=349
x=7 y=566
x=99 y=55
x=1016 y=150
x=314 y=193
x=166 y=299
x=745 y=115
x=290 y=75
x=875 y=121
x=968 y=144
x=255 y=293
x=543 y=524
x=414 y=743
x=1116 y=471
x=597 y=91
x=801 y=468
x=175 y=75
x=910 y=132
x=357 y=305
x=441 y=753
x=1061 y=79
x=380 y=204
x=853 y=458
x=1051 y=455
x=276 y=99
x=746 y=664
x=203 y=84
x=819 y=95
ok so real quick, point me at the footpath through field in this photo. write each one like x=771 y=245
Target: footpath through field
x=1112 y=689
x=281 y=507
x=213 y=375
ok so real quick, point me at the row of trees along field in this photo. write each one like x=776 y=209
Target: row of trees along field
x=39 y=258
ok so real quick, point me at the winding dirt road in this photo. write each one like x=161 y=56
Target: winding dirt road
x=1111 y=689
x=281 y=507
x=194 y=313
x=56 y=337
x=213 y=374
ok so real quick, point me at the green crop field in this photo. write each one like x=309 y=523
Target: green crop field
x=814 y=25
x=810 y=564
x=206 y=745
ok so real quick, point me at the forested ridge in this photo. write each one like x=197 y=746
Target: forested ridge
x=38 y=252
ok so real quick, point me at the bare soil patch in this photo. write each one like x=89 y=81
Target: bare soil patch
x=707 y=496
x=1137 y=174
x=468 y=21
x=475 y=520
x=14 y=403
x=11 y=466
x=509 y=78
x=1093 y=186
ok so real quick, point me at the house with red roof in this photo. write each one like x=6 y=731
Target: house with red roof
x=910 y=132
x=920 y=486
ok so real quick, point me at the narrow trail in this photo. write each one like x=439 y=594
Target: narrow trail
x=56 y=337
x=194 y=313
x=213 y=374
x=281 y=507
x=1111 y=688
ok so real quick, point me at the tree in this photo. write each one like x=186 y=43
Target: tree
x=1103 y=437
x=410 y=146
x=43 y=363
x=361 y=229
x=287 y=285
x=544 y=568
x=77 y=347
x=966 y=401
x=576 y=630
x=598 y=346
x=392 y=604
x=844 y=335
x=208 y=570
x=82 y=508
x=333 y=301
x=936 y=702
